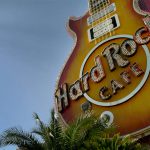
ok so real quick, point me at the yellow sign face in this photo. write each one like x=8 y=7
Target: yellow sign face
x=108 y=70
x=114 y=84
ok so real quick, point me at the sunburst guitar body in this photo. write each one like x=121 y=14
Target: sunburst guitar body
x=108 y=70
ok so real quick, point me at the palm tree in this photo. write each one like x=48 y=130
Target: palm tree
x=49 y=134
x=72 y=137
x=86 y=128
x=20 y=138
x=90 y=133
x=86 y=133
x=114 y=143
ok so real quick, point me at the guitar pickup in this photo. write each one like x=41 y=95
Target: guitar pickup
x=103 y=28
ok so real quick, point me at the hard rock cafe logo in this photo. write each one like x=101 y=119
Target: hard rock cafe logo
x=114 y=54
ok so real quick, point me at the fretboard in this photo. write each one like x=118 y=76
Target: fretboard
x=96 y=5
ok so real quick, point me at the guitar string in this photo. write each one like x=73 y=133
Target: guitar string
x=94 y=11
x=102 y=14
x=106 y=18
x=114 y=31
x=98 y=11
x=103 y=5
x=109 y=16
x=111 y=32
x=98 y=21
x=91 y=15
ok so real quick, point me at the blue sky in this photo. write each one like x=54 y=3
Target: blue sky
x=33 y=47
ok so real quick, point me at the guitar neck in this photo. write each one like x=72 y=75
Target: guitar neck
x=96 y=5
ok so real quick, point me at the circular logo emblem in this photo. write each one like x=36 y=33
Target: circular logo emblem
x=112 y=79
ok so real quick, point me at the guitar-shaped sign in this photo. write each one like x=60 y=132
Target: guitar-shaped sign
x=108 y=70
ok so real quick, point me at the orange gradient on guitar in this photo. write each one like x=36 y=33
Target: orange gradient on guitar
x=131 y=115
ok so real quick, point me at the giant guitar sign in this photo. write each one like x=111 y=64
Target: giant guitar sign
x=108 y=69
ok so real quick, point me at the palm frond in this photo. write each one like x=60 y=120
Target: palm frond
x=51 y=133
x=57 y=132
x=16 y=136
x=43 y=131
